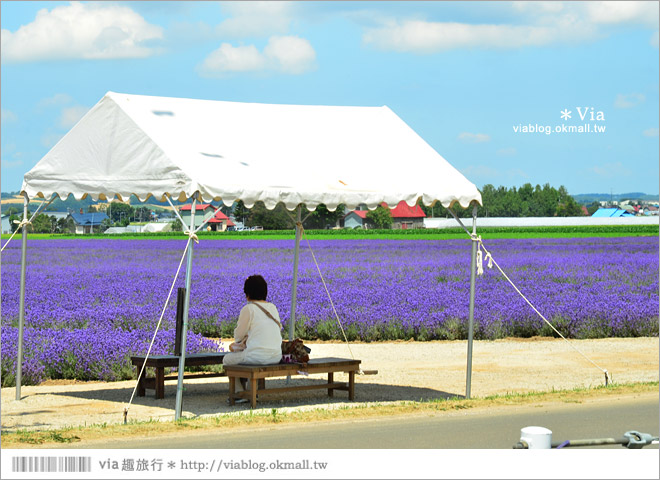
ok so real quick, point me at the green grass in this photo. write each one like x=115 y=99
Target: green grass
x=415 y=234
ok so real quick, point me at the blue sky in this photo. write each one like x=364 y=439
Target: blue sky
x=481 y=82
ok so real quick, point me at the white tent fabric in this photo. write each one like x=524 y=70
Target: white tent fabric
x=295 y=154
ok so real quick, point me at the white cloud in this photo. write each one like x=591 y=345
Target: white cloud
x=507 y=152
x=8 y=116
x=87 y=31
x=56 y=100
x=285 y=54
x=467 y=137
x=228 y=58
x=49 y=139
x=480 y=171
x=538 y=7
x=425 y=37
x=255 y=18
x=532 y=24
x=11 y=163
x=70 y=116
x=517 y=173
x=650 y=132
x=611 y=170
x=628 y=100
x=292 y=54
x=617 y=12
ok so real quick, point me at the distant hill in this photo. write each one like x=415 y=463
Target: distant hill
x=586 y=198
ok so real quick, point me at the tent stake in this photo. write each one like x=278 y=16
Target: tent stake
x=186 y=304
x=21 y=306
x=473 y=276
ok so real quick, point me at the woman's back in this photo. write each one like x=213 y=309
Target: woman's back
x=264 y=342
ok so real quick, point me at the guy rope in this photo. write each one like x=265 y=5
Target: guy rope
x=491 y=261
x=25 y=221
x=325 y=286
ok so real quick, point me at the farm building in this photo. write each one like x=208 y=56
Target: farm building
x=403 y=217
x=355 y=218
x=219 y=222
x=6 y=226
x=203 y=212
x=87 y=222
x=611 y=212
x=651 y=210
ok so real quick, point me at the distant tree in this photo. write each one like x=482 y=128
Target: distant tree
x=13 y=219
x=380 y=217
x=241 y=213
x=322 y=217
x=276 y=219
x=177 y=226
x=567 y=207
x=62 y=225
x=121 y=213
x=13 y=211
x=225 y=209
x=142 y=214
x=42 y=224
x=549 y=199
x=105 y=224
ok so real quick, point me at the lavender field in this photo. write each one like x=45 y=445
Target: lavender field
x=92 y=303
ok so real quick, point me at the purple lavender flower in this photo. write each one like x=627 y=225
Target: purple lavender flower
x=92 y=303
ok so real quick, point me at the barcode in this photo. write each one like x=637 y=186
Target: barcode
x=51 y=464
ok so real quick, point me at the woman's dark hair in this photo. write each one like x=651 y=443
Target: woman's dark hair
x=256 y=287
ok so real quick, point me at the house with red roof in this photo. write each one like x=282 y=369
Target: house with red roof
x=219 y=222
x=403 y=217
x=203 y=211
x=356 y=218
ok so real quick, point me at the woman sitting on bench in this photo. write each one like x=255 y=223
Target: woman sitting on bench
x=257 y=337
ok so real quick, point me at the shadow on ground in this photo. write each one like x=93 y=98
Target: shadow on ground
x=211 y=397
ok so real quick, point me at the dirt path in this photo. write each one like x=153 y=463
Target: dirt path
x=407 y=371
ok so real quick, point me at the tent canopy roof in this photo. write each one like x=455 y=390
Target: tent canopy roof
x=294 y=154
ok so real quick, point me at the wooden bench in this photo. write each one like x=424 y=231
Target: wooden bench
x=160 y=362
x=256 y=375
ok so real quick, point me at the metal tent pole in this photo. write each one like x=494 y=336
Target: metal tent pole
x=294 y=285
x=21 y=305
x=473 y=277
x=186 y=304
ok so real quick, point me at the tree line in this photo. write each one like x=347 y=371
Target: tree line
x=524 y=201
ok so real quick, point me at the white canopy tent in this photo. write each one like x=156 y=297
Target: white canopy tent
x=226 y=151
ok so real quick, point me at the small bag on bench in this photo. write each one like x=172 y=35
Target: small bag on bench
x=295 y=351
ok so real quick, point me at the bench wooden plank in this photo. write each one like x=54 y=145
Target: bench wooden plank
x=160 y=362
x=256 y=373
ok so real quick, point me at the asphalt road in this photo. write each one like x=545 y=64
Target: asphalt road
x=469 y=429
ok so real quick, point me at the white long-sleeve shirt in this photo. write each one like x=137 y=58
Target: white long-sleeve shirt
x=264 y=340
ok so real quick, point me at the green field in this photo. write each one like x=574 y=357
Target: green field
x=416 y=234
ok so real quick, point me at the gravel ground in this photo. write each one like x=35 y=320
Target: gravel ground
x=406 y=371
